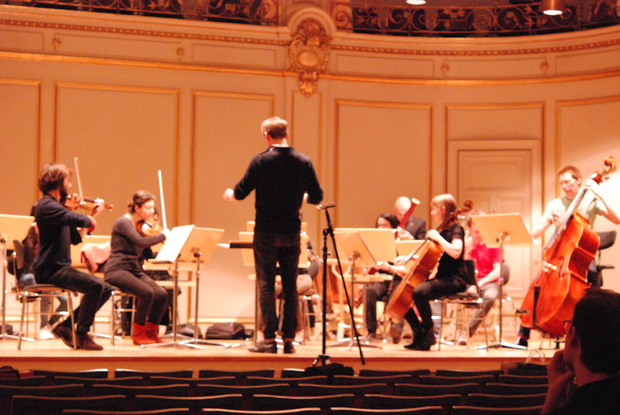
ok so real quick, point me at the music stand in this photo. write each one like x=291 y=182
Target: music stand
x=359 y=254
x=194 y=245
x=11 y=227
x=498 y=230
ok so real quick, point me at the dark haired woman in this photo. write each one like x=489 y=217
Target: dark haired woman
x=124 y=267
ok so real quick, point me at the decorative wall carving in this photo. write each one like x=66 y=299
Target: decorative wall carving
x=309 y=54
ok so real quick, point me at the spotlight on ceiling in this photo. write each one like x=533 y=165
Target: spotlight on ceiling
x=416 y=2
x=552 y=7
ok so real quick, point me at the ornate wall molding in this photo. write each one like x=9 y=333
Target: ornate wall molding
x=309 y=54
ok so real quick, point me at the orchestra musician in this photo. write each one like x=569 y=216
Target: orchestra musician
x=60 y=227
x=124 y=269
x=450 y=277
x=281 y=177
x=595 y=203
x=415 y=227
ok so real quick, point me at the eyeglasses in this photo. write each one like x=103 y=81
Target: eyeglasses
x=566 y=325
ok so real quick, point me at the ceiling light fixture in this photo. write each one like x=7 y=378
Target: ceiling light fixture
x=552 y=7
x=416 y=2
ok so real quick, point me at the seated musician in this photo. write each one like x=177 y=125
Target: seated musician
x=58 y=229
x=450 y=277
x=595 y=203
x=124 y=267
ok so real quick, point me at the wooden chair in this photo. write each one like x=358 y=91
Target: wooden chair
x=262 y=402
x=505 y=401
x=425 y=410
x=123 y=373
x=48 y=405
x=399 y=402
x=479 y=410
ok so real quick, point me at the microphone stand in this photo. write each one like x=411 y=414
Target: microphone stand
x=323 y=358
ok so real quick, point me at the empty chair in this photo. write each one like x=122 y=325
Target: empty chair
x=194 y=403
x=89 y=382
x=239 y=374
x=305 y=389
x=425 y=410
x=296 y=411
x=505 y=401
x=398 y=402
x=365 y=380
x=292 y=373
x=171 y=411
x=262 y=402
x=528 y=369
x=123 y=373
x=523 y=380
x=245 y=390
x=414 y=373
x=293 y=381
x=53 y=405
x=406 y=389
x=220 y=380
x=51 y=374
x=27 y=381
x=130 y=392
x=479 y=410
x=511 y=389
x=7 y=392
x=455 y=380
x=468 y=373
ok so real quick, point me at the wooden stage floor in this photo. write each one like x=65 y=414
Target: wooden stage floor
x=54 y=355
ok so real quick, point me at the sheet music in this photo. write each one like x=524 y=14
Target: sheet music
x=173 y=245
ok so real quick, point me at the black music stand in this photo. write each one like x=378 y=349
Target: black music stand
x=12 y=227
x=359 y=254
x=193 y=245
x=498 y=230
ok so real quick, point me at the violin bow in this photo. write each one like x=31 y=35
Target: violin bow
x=163 y=203
x=79 y=181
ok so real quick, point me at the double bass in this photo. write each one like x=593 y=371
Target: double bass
x=419 y=265
x=562 y=280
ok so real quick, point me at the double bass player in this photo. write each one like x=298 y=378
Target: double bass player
x=595 y=202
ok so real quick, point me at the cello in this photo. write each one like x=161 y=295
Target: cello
x=419 y=265
x=562 y=280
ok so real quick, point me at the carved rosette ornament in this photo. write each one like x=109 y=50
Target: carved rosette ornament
x=309 y=54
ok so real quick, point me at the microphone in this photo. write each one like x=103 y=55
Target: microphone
x=326 y=206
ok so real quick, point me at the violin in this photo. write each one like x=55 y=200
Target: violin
x=74 y=202
x=149 y=227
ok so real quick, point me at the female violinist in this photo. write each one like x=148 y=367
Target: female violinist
x=124 y=267
x=450 y=276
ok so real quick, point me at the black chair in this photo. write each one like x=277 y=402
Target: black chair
x=523 y=380
x=8 y=392
x=239 y=374
x=262 y=402
x=283 y=389
x=221 y=380
x=124 y=373
x=425 y=410
x=193 y=403
x=365 y=380
x=296 y=411
x=26 y=381
x=505 y=401
x=512 y=389
x=479 y=410
x=171 y=411
x=292 y=381
x=456 y=380
x=305 y=389
x=414 y=373
x=406 y=389
x=53 y=405
x=468 y=373
x=606 y=240
x=401 y=402
x=89 y=382
x=130 y=392
x=93 y=373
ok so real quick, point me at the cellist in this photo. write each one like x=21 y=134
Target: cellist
x=450 y=277
x=594 y=203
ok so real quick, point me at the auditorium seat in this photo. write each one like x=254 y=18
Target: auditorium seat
x=245 y=390
x=414 y=373
x=468 y=373
x=456 y=380
x=523 y=380
x=53 y=405
x=397 y=402
x=512 y=389
x=193 y=403
x=239 y=374
x=25 y=381
x=172 y=411
x=296 y=411
x=123 y=373
x=425 y=410
x=478 y=410
x=262 y=402
x=51 y=374
x=365 y=380
x=499 y=401
x=130 y=392
x=406 y=389
x=8 y=392
x=293 y=381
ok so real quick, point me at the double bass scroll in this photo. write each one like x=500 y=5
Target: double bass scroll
x=419 y=264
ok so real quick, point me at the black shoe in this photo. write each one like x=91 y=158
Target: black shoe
x=417 y=341
x=86 y=342
x=262 y=347
x=395 y=332
x=288 y=347
x=64 y=333
x=522 y=341
x=428 y=340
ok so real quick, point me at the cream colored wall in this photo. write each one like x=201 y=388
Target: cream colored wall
x=132 y=95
